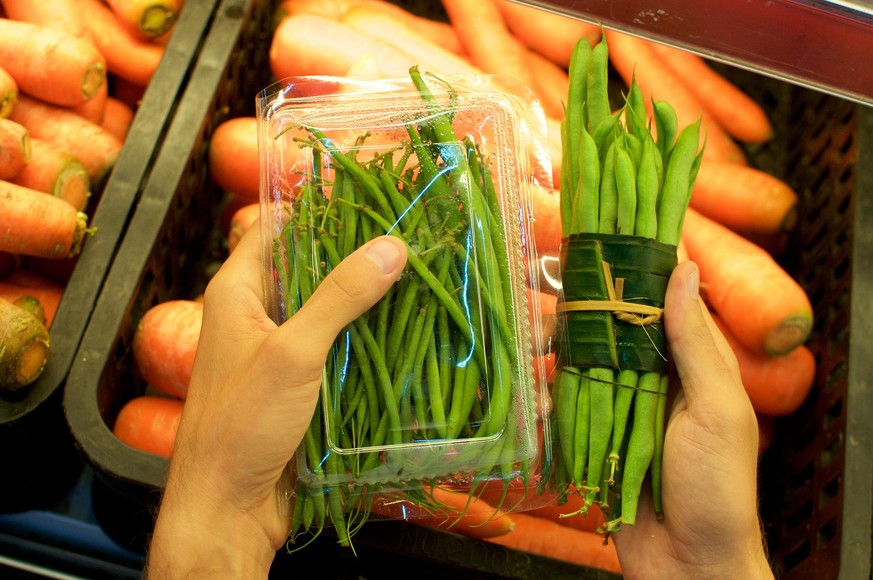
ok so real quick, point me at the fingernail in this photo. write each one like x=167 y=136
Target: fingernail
x=693 y=282
x=384 y=254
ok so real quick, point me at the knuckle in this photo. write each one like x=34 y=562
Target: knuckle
x=343 y=285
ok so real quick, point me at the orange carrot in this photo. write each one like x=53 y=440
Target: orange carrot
x=93 y=146
x=94 y=108
x=8 y=93
x=307 y=44
x=26 y=347
x=147 y=18
x=57 y=172
x=429 y=55
x=126 y=56
x=164 y=344
x=149 y=423
x=548 y=538
x=764 y=307
x=546 y=220
x=745 y=199
x=574 y=502
x=452 y=511
x=31 y=305
x=15 y=148
x=776 y=385
x=23 y=283
x=551 y=83
x=243 y=219
x=117 y=118
x=233 y=157
x=35 y=224
x=439 y=32
x=634 y=57
x=486 y=39
x=50 y=64
x=733 y=109
x=549 y=34
x=58 y=14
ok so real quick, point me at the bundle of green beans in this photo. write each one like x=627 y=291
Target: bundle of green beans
x=438 y=359
x=624 y=193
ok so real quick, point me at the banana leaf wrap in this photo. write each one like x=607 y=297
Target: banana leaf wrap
x=598 y=337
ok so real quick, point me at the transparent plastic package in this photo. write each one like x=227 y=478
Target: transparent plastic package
x=441 y=386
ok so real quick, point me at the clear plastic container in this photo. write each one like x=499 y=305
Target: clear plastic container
x=438 y=383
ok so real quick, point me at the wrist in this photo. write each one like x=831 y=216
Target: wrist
x=199 y=538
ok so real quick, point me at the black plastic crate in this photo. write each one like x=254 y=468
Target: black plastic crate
x=817 y=478
x=35 y=442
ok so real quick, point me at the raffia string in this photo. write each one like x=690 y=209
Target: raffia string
x=630 y=312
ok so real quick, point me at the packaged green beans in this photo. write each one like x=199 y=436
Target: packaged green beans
x=438 y=385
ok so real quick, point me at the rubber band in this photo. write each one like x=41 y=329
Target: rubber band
x=630 y=312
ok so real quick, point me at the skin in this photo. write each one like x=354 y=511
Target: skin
x=226 y=507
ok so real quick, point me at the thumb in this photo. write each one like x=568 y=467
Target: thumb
x=351 y=288
x=704 y=361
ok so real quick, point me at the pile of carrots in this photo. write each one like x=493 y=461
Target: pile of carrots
x=71 y=75
x=739 y=219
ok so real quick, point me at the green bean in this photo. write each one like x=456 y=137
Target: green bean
x=648 y=189
x=635 y=112
x=677 y=185
x=641 y=445
x=624 y=394
x=576 y=116
x=626 y=192
x=587 y=194
x=566 y=386
x=658 y=452
x=667 y=126
x=581 y=431
x=434 y=389
x=598 y=81
x=602 y=396
x=608 y=195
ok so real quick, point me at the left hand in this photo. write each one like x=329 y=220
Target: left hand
x=226 y=508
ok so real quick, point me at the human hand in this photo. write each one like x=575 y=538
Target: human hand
x=252 y=394
x=711 y=527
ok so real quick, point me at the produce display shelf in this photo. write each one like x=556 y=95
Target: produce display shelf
x=35 y=441
x=818 y=44
x=817 y=477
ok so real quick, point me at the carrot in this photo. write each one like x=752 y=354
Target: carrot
x=31 y=305
x=93 y=146
x=57 y=14
x=35 y=224
x=117 y=118
x=776 y=385
x=548 y=538
x=26 y=347
x=149 y=423
x=635 y=58
x=745 y=199
x=486 y=39
x=15 y=148
x=147 y=18
x=23 y=283
x=441 y=33
x=57 y=172
x=733 y=109
x=94 y=108
x=546 y=220
x=764 y=307
x=449 y=510
x=549 y=34
x=551 y=83
x=429 y=55
x=164 y=344
x=306 y=44
x=126 y=56
x=8 y=93
x=50 y=64
x=233 y=157
x=243 y=219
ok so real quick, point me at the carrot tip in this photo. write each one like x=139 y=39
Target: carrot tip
x=789 y=335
